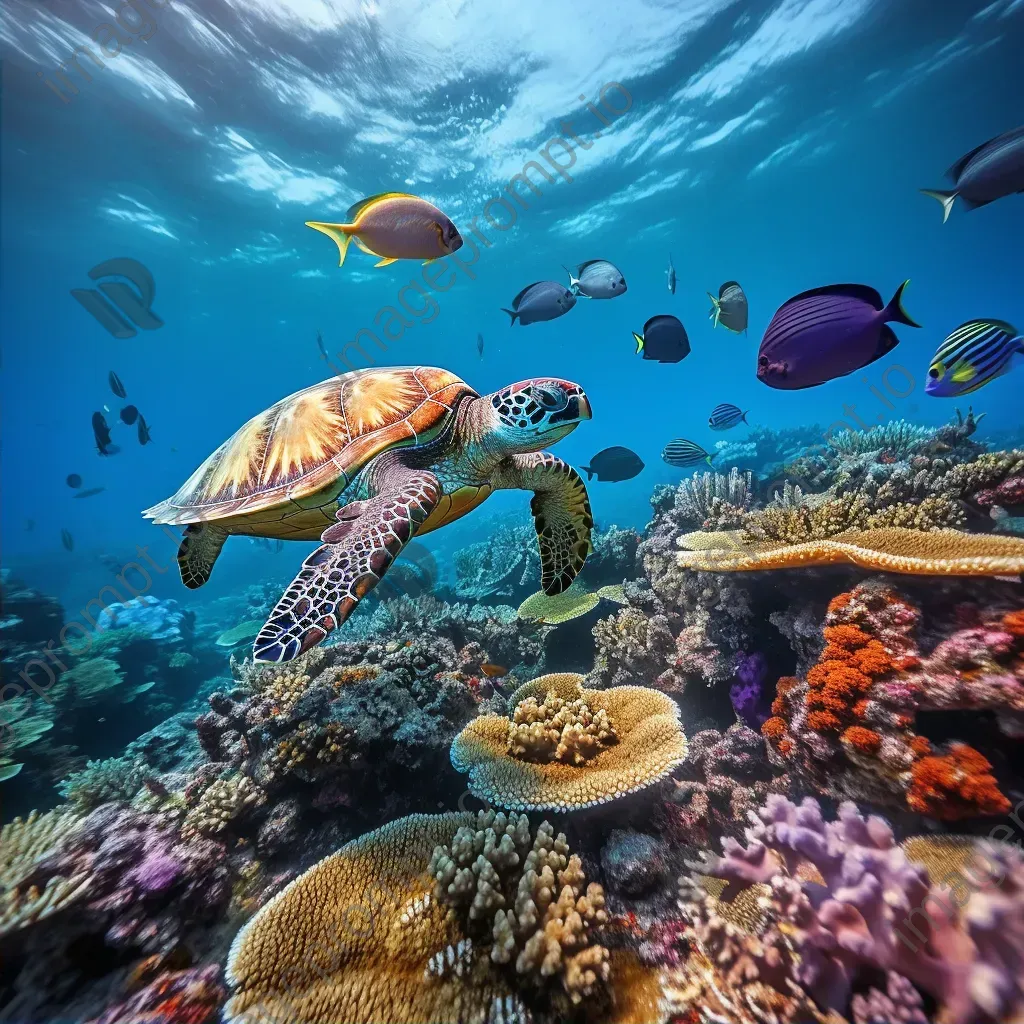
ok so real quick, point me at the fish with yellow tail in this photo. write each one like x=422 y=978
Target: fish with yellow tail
x=394 y=226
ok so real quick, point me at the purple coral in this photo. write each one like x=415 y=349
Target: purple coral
x=747 y=692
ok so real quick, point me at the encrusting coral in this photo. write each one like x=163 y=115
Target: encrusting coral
x=849 y=726
x=363 y=937
x=892 y=549
x=505 y=771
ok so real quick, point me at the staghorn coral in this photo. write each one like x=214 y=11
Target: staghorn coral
x=527 y=892
x=650 y=744
x=23 y=844
x=939 y=553
x=100 y=782
x=713 y=500
x=361 y=937
x=897 y=436
x=570 y=604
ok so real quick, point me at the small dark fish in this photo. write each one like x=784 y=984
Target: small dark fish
x=826 y=333
x=664 y=339
x=480 y=345
x=320 y=345
x=73 y=480
x=129 y=414
x=684 y=453
x=730 y=308
x=67 y=540
x=614 y=464
x=542 y=300
x=116 y=386
x=90 y=492
x=101 y=434
x=30 y=525
x=726 y=416
x=597 y=279
x=975 y=353
x=670 y=274
x=994 y=170
x=493 y=671
x=144 y=435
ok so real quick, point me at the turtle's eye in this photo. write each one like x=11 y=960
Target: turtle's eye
x=551 y=399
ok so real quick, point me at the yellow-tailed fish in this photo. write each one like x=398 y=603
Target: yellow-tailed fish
x=975 y=353
x=394 y=226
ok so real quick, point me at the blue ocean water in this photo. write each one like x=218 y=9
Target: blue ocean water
x=778 y=144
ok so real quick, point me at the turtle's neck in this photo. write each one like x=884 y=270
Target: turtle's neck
x=483 y=447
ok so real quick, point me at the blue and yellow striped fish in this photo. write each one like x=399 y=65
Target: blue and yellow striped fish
x=975 y=353
x=684 y=453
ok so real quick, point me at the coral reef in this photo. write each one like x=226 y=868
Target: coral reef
x=548 y=773
x=849 y=726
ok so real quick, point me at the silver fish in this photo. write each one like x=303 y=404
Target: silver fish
x=671 y=275
x=543 y=300
x=597 y=279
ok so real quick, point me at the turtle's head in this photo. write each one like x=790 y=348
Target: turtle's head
x=534 y=413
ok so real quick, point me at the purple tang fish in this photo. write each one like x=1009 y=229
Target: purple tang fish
x=826 y=333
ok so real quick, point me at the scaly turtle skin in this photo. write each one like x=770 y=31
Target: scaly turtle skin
x=364 y=462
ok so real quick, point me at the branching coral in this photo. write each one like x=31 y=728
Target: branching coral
x=650 y=744
x=100 y=782
x=714 y=500
x=557 y=730
x=221 y=803
x=897 y=436
x=527 y=892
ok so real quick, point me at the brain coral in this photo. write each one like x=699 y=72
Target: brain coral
x=890 y=549
x=362 y=938
x=648 y=744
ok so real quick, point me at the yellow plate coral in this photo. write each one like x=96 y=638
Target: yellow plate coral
x=894 y=549
x=509 y=769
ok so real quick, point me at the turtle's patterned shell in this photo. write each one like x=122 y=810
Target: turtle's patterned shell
x=325 y=433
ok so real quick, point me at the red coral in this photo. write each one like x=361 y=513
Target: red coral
x=838 y=603
x=867 y=741
x=773 y=729
x=958 y=784
x=824 y=721
x=785 y=746
x=846 y=636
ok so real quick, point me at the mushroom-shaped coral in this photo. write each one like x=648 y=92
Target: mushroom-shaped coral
x=609 y=744
x=889 y=549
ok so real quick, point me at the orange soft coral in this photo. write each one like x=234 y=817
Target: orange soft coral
x=846 y=636
x=958 y=784
x=773 y=729
x=867 y=741
x=838 y=603
x=824 y=721
x=1013 y=622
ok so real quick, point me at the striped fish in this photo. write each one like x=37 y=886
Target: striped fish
x=684 y=453
x=726 y=416
x=975 y=353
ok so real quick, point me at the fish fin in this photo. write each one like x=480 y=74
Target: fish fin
x=707 y=459
x=433 y=259
x=511 y=314
x=957 y=169
x=589 y=471
x=357 y=208
x=639 y=342
x=716 y=309
x=573 y=281
x=962 y=373
x=519 y=298
x=340 y=234
x=944 y=196
x=385 y=261
x=862 y=292
x=895 y=312
x=744 y=418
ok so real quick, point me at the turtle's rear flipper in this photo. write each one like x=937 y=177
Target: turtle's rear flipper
x=561 y=514
x=198 y=551
x=357 y=550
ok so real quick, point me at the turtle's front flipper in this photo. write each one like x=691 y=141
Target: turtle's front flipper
x=357 y=550
x=561 y=514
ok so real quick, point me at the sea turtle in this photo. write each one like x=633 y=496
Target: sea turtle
x=365 y=461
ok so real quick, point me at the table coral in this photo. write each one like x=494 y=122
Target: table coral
x=570 y=604
x=650 y=744
x=892 y=549
x=848 y=727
